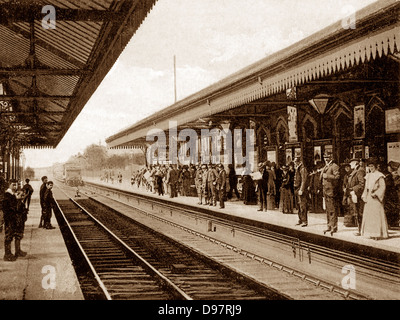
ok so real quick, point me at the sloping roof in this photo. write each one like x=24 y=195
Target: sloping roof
x=48 y=75
x=325 y=52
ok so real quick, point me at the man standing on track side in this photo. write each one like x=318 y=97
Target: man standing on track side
x=204 y=183
x=355 y=188
x=262 y=187
x=198 y=183
x=49 y=204
x=212 y=184
x=42 y=191
x=330 y=178
x=14 y=222
x=301 y=187
x=172 y=181
x=28 y=190
x=221 y=185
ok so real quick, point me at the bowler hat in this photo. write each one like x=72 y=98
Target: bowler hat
x=354 y=159
x=394 y=165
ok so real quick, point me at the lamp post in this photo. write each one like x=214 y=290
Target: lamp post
x=320 y=102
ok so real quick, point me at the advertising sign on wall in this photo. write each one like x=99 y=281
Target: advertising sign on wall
x=392 y=120
x=393 y=151
x=359 y=122
x=292 y=123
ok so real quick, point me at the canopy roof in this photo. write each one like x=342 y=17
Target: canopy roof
x=324 y=53
x=47 y=75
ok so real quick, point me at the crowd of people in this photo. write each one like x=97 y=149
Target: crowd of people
x=15 y=201
x=365 y=191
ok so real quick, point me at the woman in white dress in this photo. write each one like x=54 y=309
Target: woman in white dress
x=374 y=224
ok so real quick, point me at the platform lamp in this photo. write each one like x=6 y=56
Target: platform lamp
x=320 y=102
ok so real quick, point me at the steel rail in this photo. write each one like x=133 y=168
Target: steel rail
x=87 y=260
x=365 y=262
x=163 y=278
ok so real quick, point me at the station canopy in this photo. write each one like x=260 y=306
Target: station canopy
x=48 y=74
x=332 y=50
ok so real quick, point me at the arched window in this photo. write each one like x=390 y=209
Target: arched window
x=375 y=118
x=263 y=141
x=309 y=132
x=282 y=132
x=282 y=136
x=375 y=127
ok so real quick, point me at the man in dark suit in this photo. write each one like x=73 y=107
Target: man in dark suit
x=42 y=191
x=10 y=219
x=355 y=188
x=262 y=187
x=212 y=176
x=198 y=182
x=28 y=190
x=204 y=183
x=172 y=181
x=330 y=178
x=48 y=205
x=14 y=218
x=301 y=191
x=221 y=185
x=233 y=181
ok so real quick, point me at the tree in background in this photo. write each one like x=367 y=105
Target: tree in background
x=118 y=161
x=138 y=158
x=29 y=173
x=96 y=156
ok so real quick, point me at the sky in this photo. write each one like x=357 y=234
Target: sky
x=210 y=39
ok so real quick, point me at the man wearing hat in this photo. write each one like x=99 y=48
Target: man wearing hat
x=300 y=191
x=198 y=183
x=355 y=188
x=221 y=184
x=262 y=187
x=172 y=181
x=14 y=224
x=212 y=185
x=330 y=178
x=204 y=183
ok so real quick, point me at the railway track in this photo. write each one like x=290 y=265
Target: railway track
x=377 y=272
x=130 y=261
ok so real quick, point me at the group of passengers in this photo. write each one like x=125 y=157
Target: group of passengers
x=14 y=209
x=365 y=192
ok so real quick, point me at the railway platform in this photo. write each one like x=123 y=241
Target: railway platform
x=46 y=273
x=276 y=220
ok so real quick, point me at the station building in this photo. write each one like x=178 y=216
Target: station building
x=336 y=91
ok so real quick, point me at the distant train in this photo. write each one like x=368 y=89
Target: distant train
x=69 y=173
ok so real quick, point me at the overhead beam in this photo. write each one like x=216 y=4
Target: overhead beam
x=31 y=113
x=19 y=72
x=10 y=13
x=33 y=98
x=33 y=126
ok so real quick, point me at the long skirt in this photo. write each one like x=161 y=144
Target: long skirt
x=374 y=224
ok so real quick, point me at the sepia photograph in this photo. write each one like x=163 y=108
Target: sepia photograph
x=199 y=158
